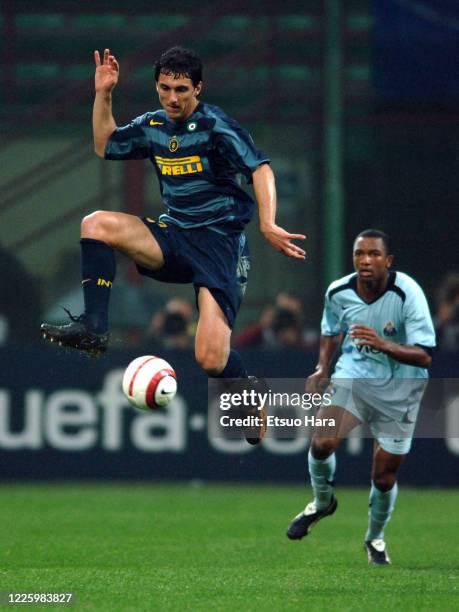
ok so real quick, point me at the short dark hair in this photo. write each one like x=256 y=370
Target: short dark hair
x=180 y=62
x=374 y=233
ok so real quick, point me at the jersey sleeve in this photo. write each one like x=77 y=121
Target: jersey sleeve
x=236 y=146
x=129 y=141
x=330 y=325
x=419 y=328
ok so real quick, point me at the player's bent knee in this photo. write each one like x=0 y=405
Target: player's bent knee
x=98 y=226
x=322 y=448
x=385 y=481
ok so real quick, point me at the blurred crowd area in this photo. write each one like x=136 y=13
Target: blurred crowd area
x=141 y=318
x=281 y=324
x=395 y=105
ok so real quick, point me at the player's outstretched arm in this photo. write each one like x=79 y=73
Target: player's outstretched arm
x=328 y=346
x=106 y=78
x=265 y=193
x=404 y=353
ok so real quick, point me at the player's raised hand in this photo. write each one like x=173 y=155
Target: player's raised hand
x=107 y=71
x=281 y=240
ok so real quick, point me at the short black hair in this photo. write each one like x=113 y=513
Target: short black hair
x=374 y=233
x=180 y=62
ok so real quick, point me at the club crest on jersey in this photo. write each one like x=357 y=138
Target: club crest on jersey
x=173 y=144
x=389 y=329
x=192 y=126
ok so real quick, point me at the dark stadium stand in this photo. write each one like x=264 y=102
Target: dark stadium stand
x=247 y=47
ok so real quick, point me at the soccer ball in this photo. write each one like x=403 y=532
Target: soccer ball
x=149 y=382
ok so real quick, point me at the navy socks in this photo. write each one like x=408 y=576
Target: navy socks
x=234 y=367
x=98 y=269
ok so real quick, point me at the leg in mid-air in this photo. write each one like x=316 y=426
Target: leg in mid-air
x=218 y=359
x=103 y=233
x=322 y=464
x=383 y=494
x=212 y=342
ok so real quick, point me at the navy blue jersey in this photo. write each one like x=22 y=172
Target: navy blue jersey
x=198 y=163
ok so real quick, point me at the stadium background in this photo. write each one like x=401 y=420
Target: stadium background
x=357 y=104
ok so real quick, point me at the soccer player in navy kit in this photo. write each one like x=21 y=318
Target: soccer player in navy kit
x=197 y=152
x=382 y=321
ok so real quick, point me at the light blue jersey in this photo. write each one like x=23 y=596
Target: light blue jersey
x=401 y=314
x=376 y=389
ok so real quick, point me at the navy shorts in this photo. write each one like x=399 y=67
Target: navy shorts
x=205 y=258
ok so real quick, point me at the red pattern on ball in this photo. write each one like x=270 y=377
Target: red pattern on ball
x=134 y=376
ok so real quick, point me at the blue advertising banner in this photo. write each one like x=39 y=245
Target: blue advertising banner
x=64 y=416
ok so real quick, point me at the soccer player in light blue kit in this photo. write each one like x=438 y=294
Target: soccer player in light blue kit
x=382 y=321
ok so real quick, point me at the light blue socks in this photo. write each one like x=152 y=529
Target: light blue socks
x=322 y=472
x=381 y=507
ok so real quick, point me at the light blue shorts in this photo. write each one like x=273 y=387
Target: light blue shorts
x=389 y=412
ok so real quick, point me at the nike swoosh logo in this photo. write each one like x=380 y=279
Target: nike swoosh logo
x=86 y=280
x=156 y=122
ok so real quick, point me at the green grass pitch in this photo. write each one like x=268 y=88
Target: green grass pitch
x=181 y=547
